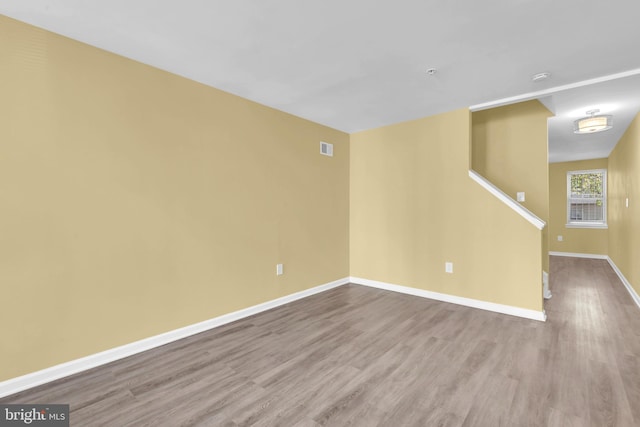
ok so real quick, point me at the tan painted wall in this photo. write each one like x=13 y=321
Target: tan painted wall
x=576 y=240
x=624 y=223
x=414 y=207
x=134 y=202
x=510 y=149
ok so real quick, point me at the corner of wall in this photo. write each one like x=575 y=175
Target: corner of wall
x=623 y=180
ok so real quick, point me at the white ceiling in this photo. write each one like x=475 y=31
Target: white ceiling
x=619 y=97
x=360 y=64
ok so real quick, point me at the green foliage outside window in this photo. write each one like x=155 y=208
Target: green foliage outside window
x=586 y=198
x=587 y=185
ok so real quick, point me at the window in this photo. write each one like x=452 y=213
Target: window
x=587 y=198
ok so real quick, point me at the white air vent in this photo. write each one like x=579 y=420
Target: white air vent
x=326 y=149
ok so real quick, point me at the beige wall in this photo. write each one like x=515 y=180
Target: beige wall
x=576 y=240
x=624 y=222
x=509 y=148
x=414 y=207
x=135 y=202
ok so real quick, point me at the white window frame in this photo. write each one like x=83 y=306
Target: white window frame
x=583 y=223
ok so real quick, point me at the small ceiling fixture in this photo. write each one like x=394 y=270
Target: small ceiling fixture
x=540 y=76
x=431 y=71
x=593 y=123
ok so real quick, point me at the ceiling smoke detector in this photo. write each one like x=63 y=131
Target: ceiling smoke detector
x=540 y=76
x=431 y=71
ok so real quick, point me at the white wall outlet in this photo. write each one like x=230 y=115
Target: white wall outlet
x=448 y=267
x=559 y=238
x=520 y=196
x=279 y=270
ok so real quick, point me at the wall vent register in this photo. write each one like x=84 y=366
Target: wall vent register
x=326 y=149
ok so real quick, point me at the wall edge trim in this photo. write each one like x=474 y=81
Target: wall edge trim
x=551 y=90
x=34 y=379
x=453 y=299
x=578 y=255
x=504 y=198
x=634 y=295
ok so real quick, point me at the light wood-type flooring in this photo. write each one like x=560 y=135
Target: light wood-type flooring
x=357 y=356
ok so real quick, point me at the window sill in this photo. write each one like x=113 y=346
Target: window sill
x=587 y=225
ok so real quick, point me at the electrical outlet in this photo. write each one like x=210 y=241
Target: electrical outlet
x=279 y=270
x=520 y=196
x=448 y=267
x=559 y=238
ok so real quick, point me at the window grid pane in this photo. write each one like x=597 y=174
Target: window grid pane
x=587 y=210
x=586 y=196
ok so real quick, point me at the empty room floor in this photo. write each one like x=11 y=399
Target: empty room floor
x=366 y=357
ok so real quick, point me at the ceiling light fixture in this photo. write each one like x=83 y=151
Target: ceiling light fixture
x=431 y=71
x=540 y=76
x=593 y=123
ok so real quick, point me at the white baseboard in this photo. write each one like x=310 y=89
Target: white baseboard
x=625 y=282
x=53 y=373
x=468 y=302
x=577 y=255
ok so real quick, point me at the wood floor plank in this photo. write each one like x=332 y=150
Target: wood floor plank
x=630 y=374
x=367 y=357
x=608 y=405
x=492 y=403
x=559 y=419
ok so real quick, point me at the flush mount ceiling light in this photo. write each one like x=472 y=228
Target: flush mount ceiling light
x=592 y=123
x=540 y=76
